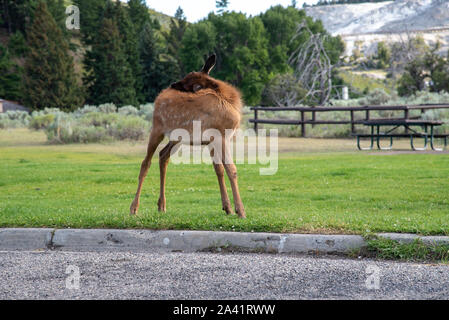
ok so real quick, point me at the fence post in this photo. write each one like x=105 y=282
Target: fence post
x=303 y=125
x=367 y=115
x=406 y=117
x=313 y=118
x=255 y=121
x=352 y=122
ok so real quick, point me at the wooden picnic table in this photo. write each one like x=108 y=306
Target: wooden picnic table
x=376 y=133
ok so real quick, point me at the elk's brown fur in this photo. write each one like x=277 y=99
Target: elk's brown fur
x=198 y=97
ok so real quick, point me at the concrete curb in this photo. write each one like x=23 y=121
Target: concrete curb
x=188 y=241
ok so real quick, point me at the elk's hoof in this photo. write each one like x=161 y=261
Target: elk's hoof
x=241 y=213
x=161 y=206
x=133 y=209
x=227 y=209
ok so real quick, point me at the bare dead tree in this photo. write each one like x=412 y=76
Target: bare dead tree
x=312 y=66
x=284 y=90
x=404 y=51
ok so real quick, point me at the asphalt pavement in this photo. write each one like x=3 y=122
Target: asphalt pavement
x=47 y=274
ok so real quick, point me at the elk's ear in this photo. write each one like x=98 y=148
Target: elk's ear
x=177 y=86
x=210 y=63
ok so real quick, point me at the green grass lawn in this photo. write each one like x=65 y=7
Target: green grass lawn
x=92 y=186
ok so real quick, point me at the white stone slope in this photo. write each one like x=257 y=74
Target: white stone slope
x=389 y=21
x=390 y=16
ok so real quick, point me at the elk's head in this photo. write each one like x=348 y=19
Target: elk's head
x=196 y=81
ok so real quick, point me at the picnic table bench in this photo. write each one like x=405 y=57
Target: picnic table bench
x=425 y=125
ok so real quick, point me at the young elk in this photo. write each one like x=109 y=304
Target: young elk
x=217 y=105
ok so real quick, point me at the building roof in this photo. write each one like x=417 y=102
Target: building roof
x=12 y=106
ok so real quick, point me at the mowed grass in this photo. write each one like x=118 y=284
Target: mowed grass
x=92 y=186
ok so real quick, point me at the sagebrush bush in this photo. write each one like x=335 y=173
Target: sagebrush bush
x=129 y=128
x=99 y=119
x=14 y=119
x=86 y=109
x=128 y=111
x=378 y=96
x=146 y=111
x=92 y=124
x=43 y=121
x=107 y=108
x=82 y=134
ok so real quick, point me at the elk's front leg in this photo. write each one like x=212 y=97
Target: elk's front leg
x=164 y=158
x=155 y=140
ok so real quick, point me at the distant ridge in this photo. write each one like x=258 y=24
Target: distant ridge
x=163 y=19
x=382 y=17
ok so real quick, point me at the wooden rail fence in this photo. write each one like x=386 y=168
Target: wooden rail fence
x=303 y=121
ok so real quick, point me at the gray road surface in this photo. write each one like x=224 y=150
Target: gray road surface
x=122 y=275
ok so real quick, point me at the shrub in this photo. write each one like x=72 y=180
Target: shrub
x=91 y=125
x=129 y=128
x=82 y=134
x=107 y=108
x=41 y=121
x=14 y=119
x=68 y=129
x=98 y=119
x=376 y=97
x=6 y=123
x=146 y=111
x=86 y=109
x=128 y=111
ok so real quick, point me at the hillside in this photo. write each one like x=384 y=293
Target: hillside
x=163 y=19
x=391 y=16
x=392 y=21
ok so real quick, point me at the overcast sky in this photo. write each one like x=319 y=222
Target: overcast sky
x=194 y=10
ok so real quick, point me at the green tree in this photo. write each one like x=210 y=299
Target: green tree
x=17 y=14
x=91 y=13
x=57 y=10
x=159 y=68
x=139 y=14
x=49 y=78
x=10 y=77
x=198 y=42
x=173 y=38
x=281 y=25
x=130 y=42
x=109 y=76
x=440 y=74
x=426 y=67
x=383 y=55
x=17 y=44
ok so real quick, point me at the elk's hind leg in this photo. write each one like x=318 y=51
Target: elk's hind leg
x=219 y=170
x=155 y=139
x=231 y=171
x=164 y=158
